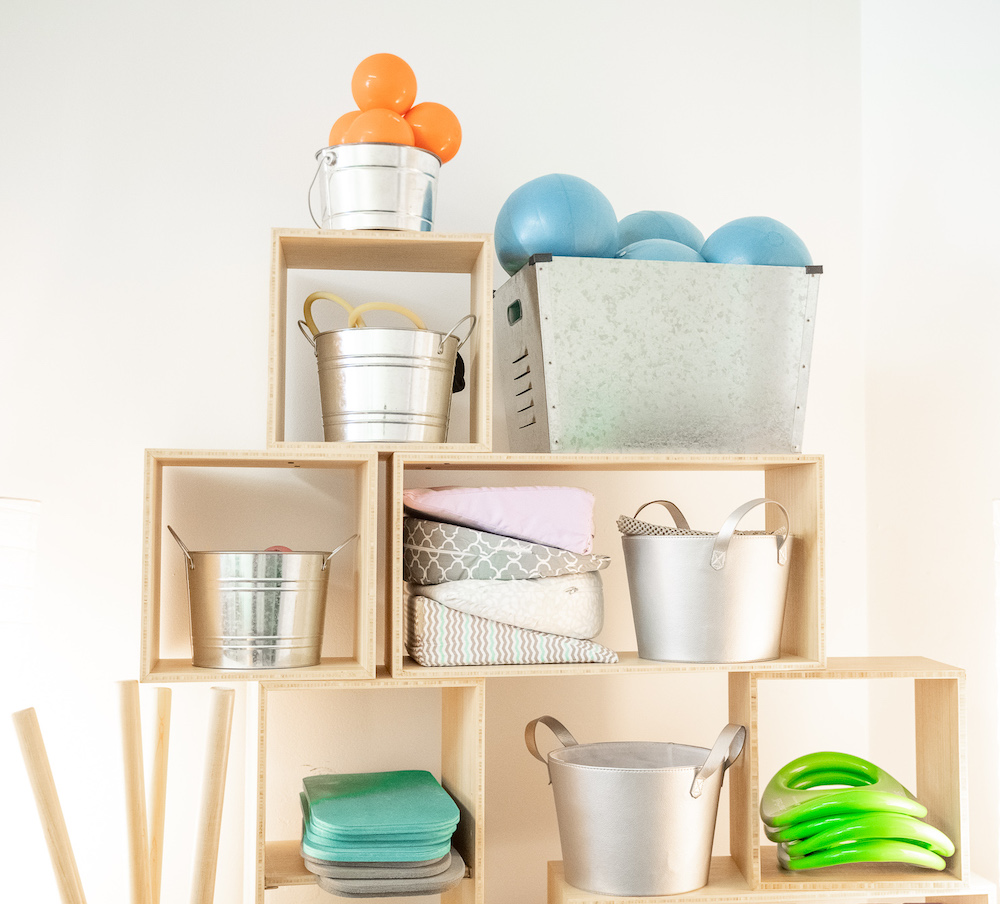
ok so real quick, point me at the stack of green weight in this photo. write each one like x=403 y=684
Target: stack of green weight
x=379 y=834
x=828 y=808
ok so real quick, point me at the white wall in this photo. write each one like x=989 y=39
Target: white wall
x=148 y=150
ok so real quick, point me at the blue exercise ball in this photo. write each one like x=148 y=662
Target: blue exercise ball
x=756 y=240
x=660 y=250
x=556 y=214
x=658 y=224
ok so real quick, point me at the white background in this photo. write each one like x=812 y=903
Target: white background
x=146 y=150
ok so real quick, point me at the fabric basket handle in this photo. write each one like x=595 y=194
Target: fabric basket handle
x=721 y=546
x=680 y=521
x=561 y=732
x=725 y=751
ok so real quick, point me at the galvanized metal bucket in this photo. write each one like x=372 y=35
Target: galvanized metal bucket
x=376 y=186
x=257 y=610
x=704 y=597
x=636 y=817
x=385 y=385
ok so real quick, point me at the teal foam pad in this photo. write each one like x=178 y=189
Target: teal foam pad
x=407 y=802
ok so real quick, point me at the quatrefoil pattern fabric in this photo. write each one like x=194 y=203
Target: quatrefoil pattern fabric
x=435 y=552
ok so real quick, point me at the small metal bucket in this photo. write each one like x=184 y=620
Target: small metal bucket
x=386 y=385
x=636 y=817
x=257 y=610
x=376 y=186
x=703 y=597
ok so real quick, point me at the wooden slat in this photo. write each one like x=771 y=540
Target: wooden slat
x=744 y=843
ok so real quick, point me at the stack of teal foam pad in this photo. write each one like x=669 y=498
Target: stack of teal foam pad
x=379 y=834
x=827 y=808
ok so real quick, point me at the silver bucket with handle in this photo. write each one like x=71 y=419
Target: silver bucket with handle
x=376 y=186
x=636 y=817
x=699 y=596
x=257 y=610
x=384 y=385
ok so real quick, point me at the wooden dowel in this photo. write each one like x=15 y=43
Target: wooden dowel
x=206 y=852
x=36 y=761
x=135 y=793
x=158 y=792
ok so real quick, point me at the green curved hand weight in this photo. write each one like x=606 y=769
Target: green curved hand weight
x=875 y=826
x=884 y=851
x=792 y=795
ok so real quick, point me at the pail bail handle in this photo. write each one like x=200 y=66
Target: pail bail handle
x=561 y=732
x=726 y=750
x=451 y=333
x=338 y=549
x=355 y=317
x=184 y=549
x=329 y=157
x=680 y=522
x=721 y=545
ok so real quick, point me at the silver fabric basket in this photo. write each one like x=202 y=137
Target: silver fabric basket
x=704 y=597
x=636 y=817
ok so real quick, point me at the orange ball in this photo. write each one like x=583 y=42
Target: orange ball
x=435 y=129
x=341 y=126
x=373 y=126
x=384 y=81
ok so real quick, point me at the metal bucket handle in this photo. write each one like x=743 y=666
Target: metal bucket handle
x=680 y=522
x=451 y=333
x=338 y=549
x=328 y=156
x=184 y=549
x=355 y=317
x=721 y=545
x=725 y=751
x=187 y=552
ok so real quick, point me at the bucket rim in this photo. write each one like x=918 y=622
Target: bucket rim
x=560 y=754
x=384 y=144
x=258 y=552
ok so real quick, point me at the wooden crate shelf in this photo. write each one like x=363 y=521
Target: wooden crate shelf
x=380 y=252
x=941 y=781
x=794 y=480
x=459 y=765
x=251 y=500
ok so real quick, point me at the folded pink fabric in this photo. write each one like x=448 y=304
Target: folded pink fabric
x=552 y=516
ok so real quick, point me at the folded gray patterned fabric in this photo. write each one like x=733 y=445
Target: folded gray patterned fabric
x=435 y=552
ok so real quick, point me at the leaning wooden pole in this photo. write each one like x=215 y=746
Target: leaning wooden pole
x=206 y=852
x=29 y=735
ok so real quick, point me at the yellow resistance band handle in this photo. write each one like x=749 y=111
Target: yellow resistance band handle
x=329 y=296
x=355 y=318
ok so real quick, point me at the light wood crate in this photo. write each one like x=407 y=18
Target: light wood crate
x=751 y=874
x=384 y=251
x=796 y=481
x=941 y=777
x=460 y=769
x=225 y=500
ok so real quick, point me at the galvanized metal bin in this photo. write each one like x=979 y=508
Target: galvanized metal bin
x=598 y=355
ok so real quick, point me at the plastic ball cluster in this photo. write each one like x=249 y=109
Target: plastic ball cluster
x=568 y=217
x=384 y=88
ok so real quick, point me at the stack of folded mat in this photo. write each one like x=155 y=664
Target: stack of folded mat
x=380 y=834
x=830 y=808
x=502 y=575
